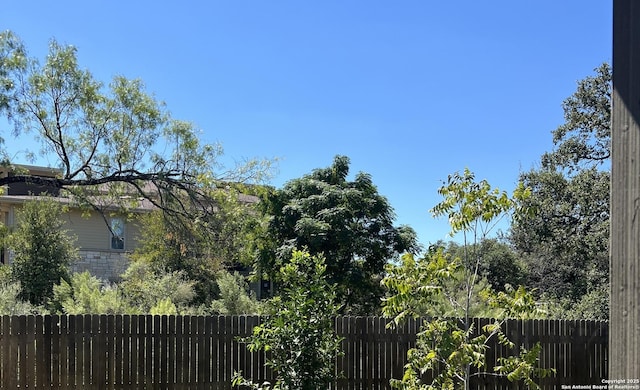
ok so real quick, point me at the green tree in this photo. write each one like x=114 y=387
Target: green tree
x=42 y=249
x=584 y=140
x=447 y=344
x=348 y=222
x=500 y=264
x=202 y=247
x=116 y=141
x=235 y=296
x=565 y=242
x=167 y=247
x=473 y=209
x=298 y=331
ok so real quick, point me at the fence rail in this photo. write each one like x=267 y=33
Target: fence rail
x=202 y=352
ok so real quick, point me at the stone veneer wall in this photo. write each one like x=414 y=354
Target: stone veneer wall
x=102 y=264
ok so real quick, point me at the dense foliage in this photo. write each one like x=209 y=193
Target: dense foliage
x=348 y=222
x=42 y=250
x=116 y=147
x=202 y=247
x=448 y=290
x=86 y=294
x=38 y=281
x=235 y=297
x=298 y=331
x=143 y=287
x=10 y=301
x=565 y=242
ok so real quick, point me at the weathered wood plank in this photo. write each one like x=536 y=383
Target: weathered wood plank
x=41 y=358
x=624 y=340
x=10 y=353
x=57 y=370
x=182 y=362
x=141 y=345
x=19 y=331
x=110 y=351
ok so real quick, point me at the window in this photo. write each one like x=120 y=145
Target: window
x=117 y=233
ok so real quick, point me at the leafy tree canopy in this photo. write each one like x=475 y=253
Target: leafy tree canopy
x=500 y=265
x=348 y=222
x=585 y=138
x=114 y=140
x=565 y=241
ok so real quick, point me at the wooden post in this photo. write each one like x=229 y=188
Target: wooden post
x=624 y=330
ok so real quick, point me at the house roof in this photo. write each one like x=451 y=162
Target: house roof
x=143 y=205
x=33 y=169
x=137 y=203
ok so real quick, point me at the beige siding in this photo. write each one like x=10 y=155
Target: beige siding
x=93 y=233
x=91 y=230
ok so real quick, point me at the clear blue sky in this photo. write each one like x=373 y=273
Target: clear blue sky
x=410 y=90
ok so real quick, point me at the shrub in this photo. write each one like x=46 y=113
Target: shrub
x=42 y=250
x=299 y=331
x=143 y=287
x=235 y=297
x=10 y=302
x=86 y=294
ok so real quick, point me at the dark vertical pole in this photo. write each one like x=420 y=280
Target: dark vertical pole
x=624 y=339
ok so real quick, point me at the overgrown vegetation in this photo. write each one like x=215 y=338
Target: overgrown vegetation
x=10 y=301
x=201 y=248
x=145 y=288
x=298 y=330
x=449 y=291
x=235 y=296
x=86 y=294
x=554 y=257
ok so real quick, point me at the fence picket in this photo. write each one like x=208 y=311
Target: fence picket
x=21 y=346
x=10 y=353
x=140 y=350
x=217 y=354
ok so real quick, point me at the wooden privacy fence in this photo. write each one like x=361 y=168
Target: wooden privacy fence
x=198 y=352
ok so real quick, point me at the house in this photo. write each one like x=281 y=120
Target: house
x=104 y=238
